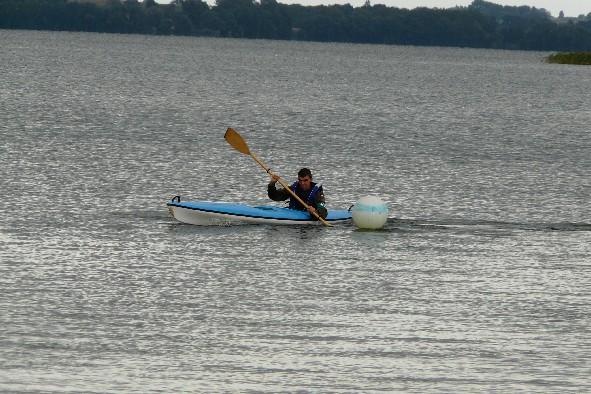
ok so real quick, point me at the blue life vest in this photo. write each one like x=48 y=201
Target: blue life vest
x=295 y=204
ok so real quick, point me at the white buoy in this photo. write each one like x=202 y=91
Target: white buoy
x=370 y=212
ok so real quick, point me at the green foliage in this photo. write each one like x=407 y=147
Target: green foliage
x=500 y=12
x=582 y=58
x=482 y=24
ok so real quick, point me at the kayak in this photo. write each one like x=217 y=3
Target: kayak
x=211 y=213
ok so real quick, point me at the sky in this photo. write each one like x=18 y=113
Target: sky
x=570 y=7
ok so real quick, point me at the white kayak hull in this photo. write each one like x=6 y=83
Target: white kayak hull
x=204 y=213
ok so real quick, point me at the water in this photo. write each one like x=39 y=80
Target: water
x=479 y=281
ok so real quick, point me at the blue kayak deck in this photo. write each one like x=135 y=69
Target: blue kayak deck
x=258 y=212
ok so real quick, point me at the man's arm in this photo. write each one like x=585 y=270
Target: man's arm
x=319 y=204
x=276 y=194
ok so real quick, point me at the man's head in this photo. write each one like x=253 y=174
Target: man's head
x=305 y=179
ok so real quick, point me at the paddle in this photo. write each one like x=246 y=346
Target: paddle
x=240 y=145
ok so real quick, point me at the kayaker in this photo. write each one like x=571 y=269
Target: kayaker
x=308 y=191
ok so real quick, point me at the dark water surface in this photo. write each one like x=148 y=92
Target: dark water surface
x=478 y=283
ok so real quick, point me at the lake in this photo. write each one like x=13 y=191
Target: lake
x=479 y=282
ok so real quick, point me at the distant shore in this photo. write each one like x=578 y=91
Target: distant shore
x=580 y=58
x=482 y=24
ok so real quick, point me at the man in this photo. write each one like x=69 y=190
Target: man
x=308 y=191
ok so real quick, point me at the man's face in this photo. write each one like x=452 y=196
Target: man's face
x=305 y=182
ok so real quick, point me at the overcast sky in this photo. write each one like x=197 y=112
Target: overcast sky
x=570 y=7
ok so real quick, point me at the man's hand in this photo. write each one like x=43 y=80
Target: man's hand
x=274 y=178
x=312 y=210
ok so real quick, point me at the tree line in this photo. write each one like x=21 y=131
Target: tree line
x=480 y=25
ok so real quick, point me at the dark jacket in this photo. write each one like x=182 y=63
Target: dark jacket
x=282 y=194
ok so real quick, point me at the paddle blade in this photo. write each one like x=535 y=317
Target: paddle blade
x=236 y=141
